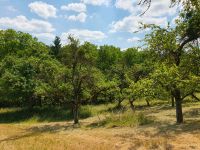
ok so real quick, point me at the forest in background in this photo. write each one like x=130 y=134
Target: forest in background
x=75 y=74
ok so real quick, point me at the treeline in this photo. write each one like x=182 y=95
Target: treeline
x=168 y=66
x=33 y=74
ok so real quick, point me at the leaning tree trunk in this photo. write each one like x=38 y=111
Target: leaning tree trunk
x=148 y=104
x=179 y=113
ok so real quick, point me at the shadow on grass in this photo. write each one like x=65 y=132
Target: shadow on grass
x=38 y=130
x=189 y=126
x=47 y=114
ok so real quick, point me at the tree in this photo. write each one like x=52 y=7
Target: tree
x=108 y=56
x=81 y=63
x=169 y=50
x=56 y=47
x=28 y=73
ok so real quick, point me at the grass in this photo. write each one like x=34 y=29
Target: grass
x=37 y=114
x=125 y=119
x=49 y=114
x=103 y=127
x=57 y=114
x=109 y=111
x=162 y=133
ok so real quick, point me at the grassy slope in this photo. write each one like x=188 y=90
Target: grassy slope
x=44 y=129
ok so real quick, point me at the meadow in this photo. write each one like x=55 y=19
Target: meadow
x=101 y=127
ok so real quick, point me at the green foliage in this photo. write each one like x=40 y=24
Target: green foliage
x=108 y=56
x=33 y=74
x=56 y=47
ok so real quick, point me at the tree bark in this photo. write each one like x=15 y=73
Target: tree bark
x=179 y=113
x=131 y=104
x=75 y=113
x=94 y=98
x=148 y=104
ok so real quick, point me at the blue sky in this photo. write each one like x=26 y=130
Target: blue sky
x=101 y=22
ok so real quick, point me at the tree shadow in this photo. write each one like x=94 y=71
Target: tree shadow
x=189 y=126
x=193 y=113
x=38 y=130
x=48 y=114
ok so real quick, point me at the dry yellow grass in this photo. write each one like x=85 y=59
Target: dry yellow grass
x=163 y=134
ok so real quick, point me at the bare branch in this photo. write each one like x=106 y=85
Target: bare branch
x=144 y=2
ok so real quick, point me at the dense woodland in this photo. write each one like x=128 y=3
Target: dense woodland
x=167 y=66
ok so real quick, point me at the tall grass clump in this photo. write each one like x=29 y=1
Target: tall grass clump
x=126 y=119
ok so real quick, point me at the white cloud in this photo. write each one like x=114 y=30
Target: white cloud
x=77 y=7
x=134 y=39
x=158 y=7
x=131 y=23
x=23 y=24
x=156 y=14
x=47 y=37
x=83 y=35
x=125 y=5
x=38 y=28
x=42 y=9
x=97 y=2
x=80 y=17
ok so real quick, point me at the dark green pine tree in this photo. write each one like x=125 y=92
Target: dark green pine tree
x=55 y=48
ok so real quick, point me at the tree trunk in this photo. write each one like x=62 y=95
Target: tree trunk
x=179 y=113
x=75 y=113
x=148 y=104
x=94 y=98
x=131 y=104
x=172 y=100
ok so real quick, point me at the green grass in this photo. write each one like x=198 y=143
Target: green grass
x=57 y=114
x=123 y=119
x=37 y=114
x=54 y=114
x=49 y=114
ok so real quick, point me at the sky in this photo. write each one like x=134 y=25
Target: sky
x=110 y=22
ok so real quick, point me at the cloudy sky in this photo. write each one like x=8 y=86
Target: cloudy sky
x=101 y=22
